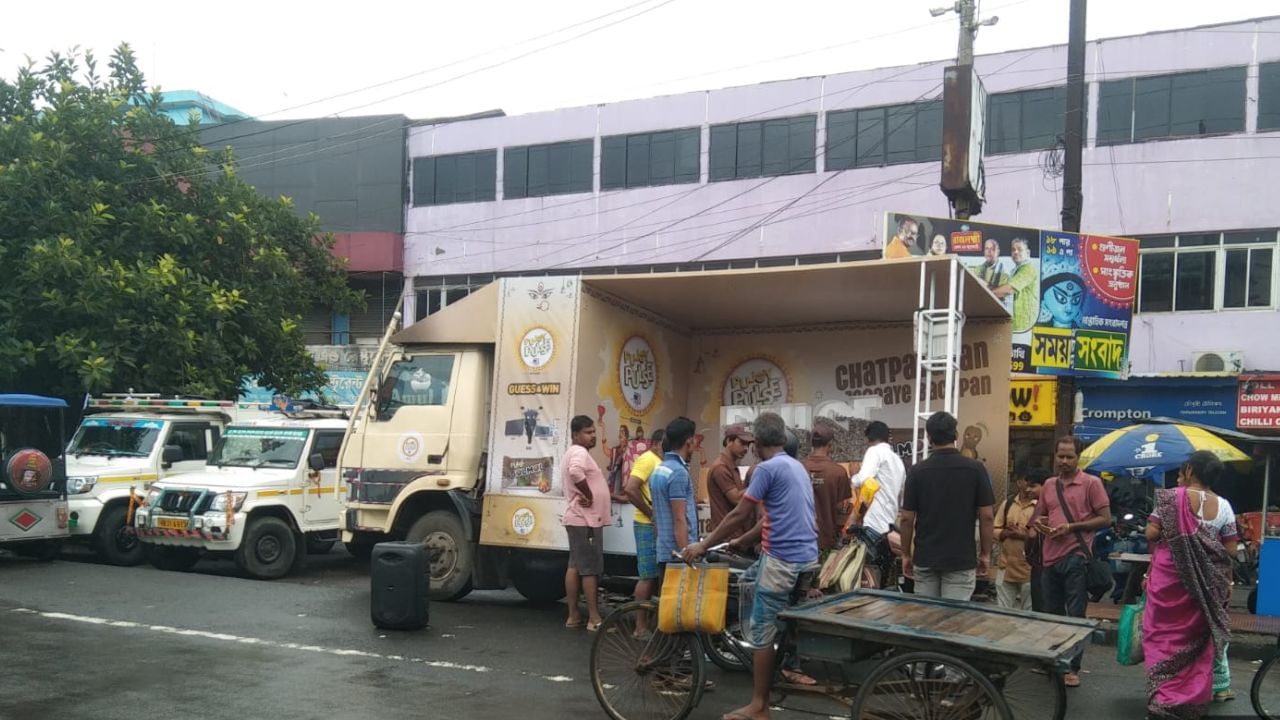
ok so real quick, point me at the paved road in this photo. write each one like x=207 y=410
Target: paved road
x=82 y=640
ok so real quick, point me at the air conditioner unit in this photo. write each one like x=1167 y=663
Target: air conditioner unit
x=1231 y=361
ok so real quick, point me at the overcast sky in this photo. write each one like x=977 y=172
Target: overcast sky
x=275 y=59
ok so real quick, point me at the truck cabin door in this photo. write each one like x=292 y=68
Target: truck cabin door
x=193 y=439
x=414 y=411
x=320 y=508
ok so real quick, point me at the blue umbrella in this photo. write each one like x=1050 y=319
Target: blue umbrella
x=1149 y=450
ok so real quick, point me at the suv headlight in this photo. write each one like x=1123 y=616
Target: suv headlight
x=219 y=503
x=153 y=497
x=81 y=484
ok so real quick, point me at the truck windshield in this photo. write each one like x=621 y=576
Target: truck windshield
x=116 y=437
x=259 y=447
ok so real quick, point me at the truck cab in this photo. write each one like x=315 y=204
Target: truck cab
x=33 y=501
x=266 y=497
x=124 y=445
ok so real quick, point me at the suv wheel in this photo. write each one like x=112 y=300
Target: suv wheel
x=268 y=549
x=116 y=542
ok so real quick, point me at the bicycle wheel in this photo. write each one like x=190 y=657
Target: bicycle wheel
x=1027 y=691
x=928 y=686
x=645 y=675
x=1264 y=693
x=725 y=649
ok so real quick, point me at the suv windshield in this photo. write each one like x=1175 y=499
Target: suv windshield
x=115 y=437
x=260 y=447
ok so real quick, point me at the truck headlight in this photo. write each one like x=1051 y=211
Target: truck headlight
x=81 y=484
x=153 y=497
x=220 y=501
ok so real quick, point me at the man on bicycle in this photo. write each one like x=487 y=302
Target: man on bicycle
x=782 y=489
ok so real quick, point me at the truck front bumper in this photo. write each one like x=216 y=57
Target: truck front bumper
x=209 y=531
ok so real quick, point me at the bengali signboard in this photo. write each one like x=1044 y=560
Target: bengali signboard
x=1070 y=294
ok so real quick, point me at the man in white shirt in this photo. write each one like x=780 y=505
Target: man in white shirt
x=883 y=464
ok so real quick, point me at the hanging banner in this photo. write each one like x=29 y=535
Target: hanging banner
x=533 y=364
x=1070 y=295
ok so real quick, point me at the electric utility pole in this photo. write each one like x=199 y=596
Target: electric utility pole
x=964 y=114
x=1072 y=180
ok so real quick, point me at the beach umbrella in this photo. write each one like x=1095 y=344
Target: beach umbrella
x=1148 y=450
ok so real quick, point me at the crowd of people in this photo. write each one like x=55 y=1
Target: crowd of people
x=792 y=512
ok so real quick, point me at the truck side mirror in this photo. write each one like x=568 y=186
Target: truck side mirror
x=170 y=455
x=315 y=461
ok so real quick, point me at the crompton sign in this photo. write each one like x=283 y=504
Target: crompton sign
x=1112 y=404
x=1259 y=402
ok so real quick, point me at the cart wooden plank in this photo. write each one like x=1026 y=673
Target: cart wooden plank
x=910 y=621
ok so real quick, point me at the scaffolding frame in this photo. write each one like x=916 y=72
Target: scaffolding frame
x=938 y=331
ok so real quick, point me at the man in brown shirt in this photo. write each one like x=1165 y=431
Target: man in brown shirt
x=724 y=483
x=1012 y=529
x=830 y=485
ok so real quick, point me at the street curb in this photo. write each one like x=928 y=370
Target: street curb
x=1251 y=647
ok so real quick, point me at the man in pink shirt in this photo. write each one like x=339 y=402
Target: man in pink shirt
x=1065 y=530
x=585 y=516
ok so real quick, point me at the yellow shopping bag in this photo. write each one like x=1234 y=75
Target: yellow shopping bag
x=693 y=598
x=862 y=503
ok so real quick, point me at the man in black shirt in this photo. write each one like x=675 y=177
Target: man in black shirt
x=947 y=492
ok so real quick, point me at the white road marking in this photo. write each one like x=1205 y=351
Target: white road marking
x=165 y=629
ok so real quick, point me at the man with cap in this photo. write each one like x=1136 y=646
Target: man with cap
x=830 y=484
x=724 y=483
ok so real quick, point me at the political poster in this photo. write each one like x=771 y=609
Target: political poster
x=1070 y=295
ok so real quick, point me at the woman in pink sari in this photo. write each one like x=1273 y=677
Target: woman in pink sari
x=1186 y=623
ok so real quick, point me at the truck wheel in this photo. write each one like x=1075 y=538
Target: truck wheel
x=177 y=559
x=449 y=551
x=268 y=549
x=539 y=588
x=113 y=540
x=320 y=546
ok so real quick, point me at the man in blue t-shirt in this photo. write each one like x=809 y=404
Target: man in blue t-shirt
x=781 y=489
x=675 y=510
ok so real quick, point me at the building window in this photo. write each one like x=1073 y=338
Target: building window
x=1269 y=96
x=445 y=179
x=1025 y=121
x=658 y=158
x=540 y=170
x=870 y=137
x=1207 y=271
x=770 y=147
x=432 y=300
x=1206 y=102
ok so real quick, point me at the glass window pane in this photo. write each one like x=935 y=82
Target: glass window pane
x=1151 y=107
x=802 y=145
x=1207 y=102
x=1235 y=283
x=466 y=188
x=749 y=150
x=1260 y=274
x=840 y=139
x=901 y=134
x=424 y=181
x=662 y=158
x=539 y=170
x=581 y=157
x=558 y=169
x=486 y=175
x=613 y=162
x=688 y=153
x=774 y=152
x=1157 y=241
x=1115 y=112
x=1241 y=237
x=515 y=170
x=724 y=152
x=929 y=131
x=1156 y=273
x=446 y=179
x=1043 y=117
x=870 y=141
x=1199 y=240
x=1194 y=285
x=1269 y=96
x=1004 y=120
x=637 y=160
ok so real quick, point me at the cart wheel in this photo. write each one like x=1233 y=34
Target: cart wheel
x=1026 y=691
x=1265 y=691
x=928 y=686
x=645 y=676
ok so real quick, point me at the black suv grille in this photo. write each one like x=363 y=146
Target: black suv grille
x=182 y=501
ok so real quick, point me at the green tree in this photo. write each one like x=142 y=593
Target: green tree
x=130 y=256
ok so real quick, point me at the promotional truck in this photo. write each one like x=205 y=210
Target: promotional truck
x=33 y=501
x=125 y=443
x=266 y=497
x=457 y=439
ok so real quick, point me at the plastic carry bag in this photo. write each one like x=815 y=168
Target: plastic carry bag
x=693 y=598
x=1129 y=640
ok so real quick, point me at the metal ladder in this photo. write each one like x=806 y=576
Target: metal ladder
x=937 y=345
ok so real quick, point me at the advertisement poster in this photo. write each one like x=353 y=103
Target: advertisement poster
x=533 y=365
x=1033 y=403
x=1070 y=295
x=1259 y=403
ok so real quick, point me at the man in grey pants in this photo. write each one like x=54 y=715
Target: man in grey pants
x=943 y=496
